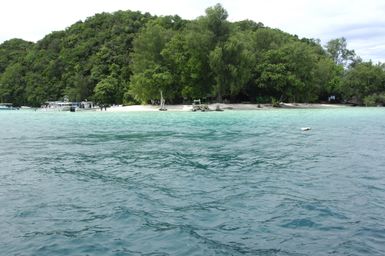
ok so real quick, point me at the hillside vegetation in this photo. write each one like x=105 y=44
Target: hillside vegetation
x=128 y=57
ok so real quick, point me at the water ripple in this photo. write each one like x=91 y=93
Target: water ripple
x=229 y=183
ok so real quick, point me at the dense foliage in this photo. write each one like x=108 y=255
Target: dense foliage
x=129 y=57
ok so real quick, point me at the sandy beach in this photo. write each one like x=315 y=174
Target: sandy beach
x=222 y=106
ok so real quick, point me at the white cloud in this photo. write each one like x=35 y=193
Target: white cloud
x=361 y=22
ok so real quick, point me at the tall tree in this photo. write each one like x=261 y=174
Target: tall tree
x=337 y=48
x=105 y=91
x=187 y=56
x=232 y=64
x=327 y=78
x=150 y=72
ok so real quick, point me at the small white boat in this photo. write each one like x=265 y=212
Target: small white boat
x=68 y=106
x=305 y=129
x=57 y=106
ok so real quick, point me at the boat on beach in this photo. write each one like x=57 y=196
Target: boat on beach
x=198 y=106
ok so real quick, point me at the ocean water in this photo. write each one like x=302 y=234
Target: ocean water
x=214 y=183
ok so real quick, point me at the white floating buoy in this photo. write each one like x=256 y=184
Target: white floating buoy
x=305 y=128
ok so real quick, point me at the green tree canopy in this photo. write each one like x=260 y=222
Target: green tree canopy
x=105 y=91
x=363 y=80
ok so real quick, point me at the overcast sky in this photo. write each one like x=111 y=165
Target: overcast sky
x=361 y=22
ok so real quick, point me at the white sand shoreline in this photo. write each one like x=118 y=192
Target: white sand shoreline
x=184 y=108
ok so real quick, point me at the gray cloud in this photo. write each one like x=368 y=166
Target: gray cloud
x=366 y=38
x=362 y=31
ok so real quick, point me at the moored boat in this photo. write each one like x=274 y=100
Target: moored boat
x=57 y=106
x=68 y=106
x=7 y=106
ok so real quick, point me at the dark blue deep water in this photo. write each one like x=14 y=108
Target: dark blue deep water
x=171 y=183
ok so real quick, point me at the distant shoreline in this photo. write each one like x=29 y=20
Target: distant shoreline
x=223 y=106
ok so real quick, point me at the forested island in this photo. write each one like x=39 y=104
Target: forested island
x=128 y=57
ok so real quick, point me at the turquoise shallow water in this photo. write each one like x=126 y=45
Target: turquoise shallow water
x=217 y=183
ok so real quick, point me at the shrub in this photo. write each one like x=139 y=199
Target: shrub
x=375 y=99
